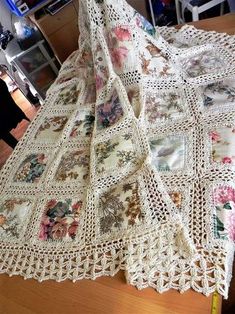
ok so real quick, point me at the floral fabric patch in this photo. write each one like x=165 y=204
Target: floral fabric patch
x=177 y=198
x=31 y=169
x=144 y=24
x=218 y=94
x=119 y=44
x=224 y=216
x=90 y=94
x=109 y=112
x=83 y=125
x=68 y=95
x=84 y=65
x=203 y=63
x=12 y=217
x=178 y=42
x=223 y=145
x=101 y=68
x=51 y=129
x=115 y=153
x=165 y=107
x=60 y=220
x=120 y=208
x=73 y=166
x=168 y=153
x=153 y=62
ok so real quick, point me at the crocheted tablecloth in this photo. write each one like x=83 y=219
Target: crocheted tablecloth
x=129 y=164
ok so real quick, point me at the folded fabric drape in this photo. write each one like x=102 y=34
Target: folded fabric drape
x=129 y=165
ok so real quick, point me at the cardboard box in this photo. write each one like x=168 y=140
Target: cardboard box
x=140 y=6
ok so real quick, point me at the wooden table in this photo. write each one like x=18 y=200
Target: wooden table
x=222 y=24
x=104 y=295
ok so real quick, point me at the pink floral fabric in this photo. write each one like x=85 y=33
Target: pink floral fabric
x=203 y=63
x=224 y=215
x=60 y=220
x=223 y=145
x=118 y=40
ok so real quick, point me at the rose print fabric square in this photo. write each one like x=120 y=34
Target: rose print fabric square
x=83 y=125
x=168 y=153
x=109 y=112
x=13 y=214
x=68 y=95
x=203 y=63
x=160 y=108
x=51 y=129
x=223 y=145
x=73 y=166
x=116 y=153
x=60 y=220
x=224 y=212
x=31 y=169
x=120 y=208
x=120 y=46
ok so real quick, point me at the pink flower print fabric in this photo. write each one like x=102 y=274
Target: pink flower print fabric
x=224 y=216
x=223 y=145
x=60 y=220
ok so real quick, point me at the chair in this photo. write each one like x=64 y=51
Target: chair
x=196 y=10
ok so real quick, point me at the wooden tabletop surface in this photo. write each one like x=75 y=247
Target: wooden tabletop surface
x=104 y=295
x=222 y=24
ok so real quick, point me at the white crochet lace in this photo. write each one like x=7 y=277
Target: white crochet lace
x=128 y=171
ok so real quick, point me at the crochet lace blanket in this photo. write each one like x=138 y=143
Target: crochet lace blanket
x=129 y=165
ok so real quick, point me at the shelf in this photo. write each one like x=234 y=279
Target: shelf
x=44 y=90
x=41 y=79
x=41 y=67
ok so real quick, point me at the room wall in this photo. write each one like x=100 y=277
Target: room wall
x=5 y=16
x=5 y=19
